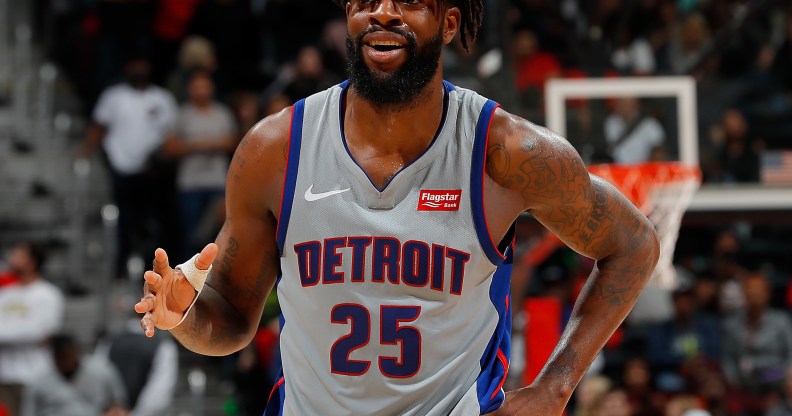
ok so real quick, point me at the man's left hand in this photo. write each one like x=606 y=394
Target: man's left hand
x=530 y=401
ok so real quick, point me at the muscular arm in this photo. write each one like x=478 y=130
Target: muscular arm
x=227 y=313
x=533 y=169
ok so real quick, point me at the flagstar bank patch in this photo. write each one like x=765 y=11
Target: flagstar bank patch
x=439 y=200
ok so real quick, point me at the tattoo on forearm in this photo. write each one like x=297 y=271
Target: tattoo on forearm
x=227 y=261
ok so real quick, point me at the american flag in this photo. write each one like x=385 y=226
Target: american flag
x=777 y=167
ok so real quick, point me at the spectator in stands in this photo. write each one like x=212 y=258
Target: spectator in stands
x=247 y=109
x=643 y=397
x=632 y=136
x=757 y=342
x=613 y=403
x=202 y=138
x=688 y=44
x=195 y=54
x=727 y=253
x=784 y=408
x=333 y=46
x=148 y=368
x=685 y=336
x=168 y=28
x=276 y=103
x=77 y=386
x=230 y=27
x=739 y=155
x=705 y=290
x=309 y=75
x=532 y=68
x=130 y=121
x=30 y=312
x=684 y=406
x=589 y=393
x=633 y=55
x=704 y=378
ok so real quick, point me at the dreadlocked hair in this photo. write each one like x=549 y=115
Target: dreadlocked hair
x=472 y=12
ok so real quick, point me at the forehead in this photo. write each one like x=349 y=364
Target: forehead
x=20 y=249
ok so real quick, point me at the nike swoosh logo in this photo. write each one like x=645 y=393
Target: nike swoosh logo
x=310 y=196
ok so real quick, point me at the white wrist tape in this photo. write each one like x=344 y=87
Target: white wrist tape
x=196 y=277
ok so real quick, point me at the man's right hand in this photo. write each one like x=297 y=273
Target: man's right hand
x=166 y=292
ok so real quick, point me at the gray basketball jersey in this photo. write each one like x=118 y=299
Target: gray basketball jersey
x=394 y=301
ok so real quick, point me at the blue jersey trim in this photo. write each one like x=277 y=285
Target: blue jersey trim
x=290 y=178
x=275 y=401
x=495 y=360
x=277 y=397
x=477 y=183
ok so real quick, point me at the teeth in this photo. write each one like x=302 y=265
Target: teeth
x=384 y=43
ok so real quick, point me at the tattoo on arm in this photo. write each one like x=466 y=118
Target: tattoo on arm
x=224 y=268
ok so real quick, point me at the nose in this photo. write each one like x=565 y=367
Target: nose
x=386 y=14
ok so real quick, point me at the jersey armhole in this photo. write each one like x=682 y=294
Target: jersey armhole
x=290 y=176
x=495 y=252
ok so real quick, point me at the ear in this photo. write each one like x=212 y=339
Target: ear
x=451 y=24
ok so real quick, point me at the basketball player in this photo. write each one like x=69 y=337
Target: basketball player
x=383 y=208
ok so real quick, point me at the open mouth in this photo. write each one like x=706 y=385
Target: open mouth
x=385 y=46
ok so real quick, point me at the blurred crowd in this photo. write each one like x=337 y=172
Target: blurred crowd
x=170 y=87
x=718 y=344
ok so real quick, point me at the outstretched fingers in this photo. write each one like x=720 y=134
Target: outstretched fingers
x=146 y=307
x=207 y=256
x=153 y=282
x=148 y=323
x=146 y=304
x=161 y=265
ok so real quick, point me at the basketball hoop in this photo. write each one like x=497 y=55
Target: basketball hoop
x=662 y=191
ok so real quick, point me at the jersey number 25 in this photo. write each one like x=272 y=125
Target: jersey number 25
x=392 y=332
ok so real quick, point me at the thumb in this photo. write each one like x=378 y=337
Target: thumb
x=207 y=256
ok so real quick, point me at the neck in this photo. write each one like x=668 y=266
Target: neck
x=28 y=278
x=754 y=315
x=399 y=128
x=202 y=105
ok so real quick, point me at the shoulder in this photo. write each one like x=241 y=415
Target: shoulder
x=222 y=109
x=259 y=162
x=779 y=316
x=113 y=92
x=160 y=91
x=518 y=133
x=99 y=368
x=269 y=134
x=517 y=146
x=45 y=289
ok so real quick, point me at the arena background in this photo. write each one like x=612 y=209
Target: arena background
x=57 y=56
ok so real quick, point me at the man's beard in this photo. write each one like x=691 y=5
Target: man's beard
x=402 y=87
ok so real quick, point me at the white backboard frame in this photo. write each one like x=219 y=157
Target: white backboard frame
x=683 y=89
